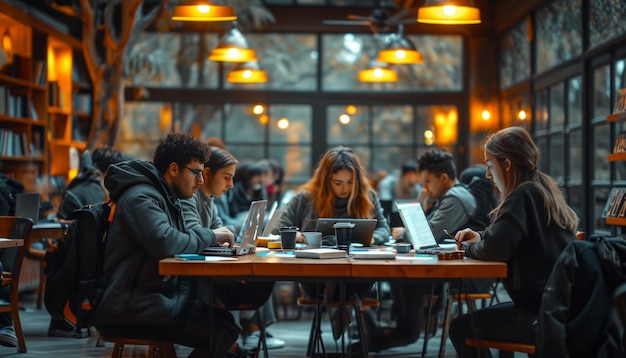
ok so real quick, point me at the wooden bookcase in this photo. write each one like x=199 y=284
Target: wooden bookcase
x=45 y=102
x=23 y=106
x=616 y=157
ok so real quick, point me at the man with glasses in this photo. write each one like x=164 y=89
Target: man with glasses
x=148 y=226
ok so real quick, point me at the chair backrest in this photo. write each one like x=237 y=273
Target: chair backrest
x=18 y=228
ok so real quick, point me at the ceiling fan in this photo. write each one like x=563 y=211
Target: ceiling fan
x=381 y=19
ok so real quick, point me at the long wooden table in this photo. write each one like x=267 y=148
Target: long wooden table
x=260 y=267
x=4 y=243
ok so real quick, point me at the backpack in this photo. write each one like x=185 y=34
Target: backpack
x=9 y=188
x=74 y=268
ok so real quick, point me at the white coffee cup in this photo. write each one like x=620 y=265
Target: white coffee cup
x=313 y=239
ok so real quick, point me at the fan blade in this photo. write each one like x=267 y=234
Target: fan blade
x=404 y=16
x=346 y=22
x=359 y=18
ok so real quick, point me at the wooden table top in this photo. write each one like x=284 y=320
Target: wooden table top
x=276 y=267
x=4 y=243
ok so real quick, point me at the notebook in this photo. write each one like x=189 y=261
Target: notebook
x=251 y=228
x=362 y=233
x=27 y=205
x=418 y=228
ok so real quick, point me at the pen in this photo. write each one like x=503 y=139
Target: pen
x=452 y=237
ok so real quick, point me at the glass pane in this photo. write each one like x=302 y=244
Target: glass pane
x=606 y=21
x=245 y=152
x=299 y=126
x=296 y=161
x=602 y=91
x=392 y=124
x=514 y=56
x=345 y=55
x=602 y=147
x=575 y=155
x=574 y=101
x=437 y=126
x=601 y=195
x=242 y=125
x=365 y=156
x=557 y=158
x=169 y=59
x=541 y=111
x=575 y=199
x=559 y=33
x=290 y=61
x=542 y=144
x=620 y=75
x=349 y=132
x=389 y=159
x=557 y=106
x=140 y=129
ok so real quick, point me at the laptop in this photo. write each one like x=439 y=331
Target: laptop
x=362 y=233
x=27 y=205
x=418 y=228
x=251 y=228
x=274 y=217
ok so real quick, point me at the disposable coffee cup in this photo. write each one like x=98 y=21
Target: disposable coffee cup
x=288 y=237
x=313 y=239
x=343 y=233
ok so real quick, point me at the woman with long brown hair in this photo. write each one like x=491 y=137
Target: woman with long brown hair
x=529 y=229
x=339 y=188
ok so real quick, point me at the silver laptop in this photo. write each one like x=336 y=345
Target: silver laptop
x=362 y=232
x=418 y=228
x=251 y=228
x=274 y=217
x=27 y=205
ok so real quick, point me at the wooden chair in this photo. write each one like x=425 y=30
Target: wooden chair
x=155 y=349
x=15 y=227
x=503 y=346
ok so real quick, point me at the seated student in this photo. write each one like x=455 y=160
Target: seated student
x=529 y=229
x=338 y=189
x=453 y=209
x=404 y=184
x=200 y=210
x=138 y=302
x=88 y=188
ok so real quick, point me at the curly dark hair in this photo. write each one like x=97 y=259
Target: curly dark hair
x=437 y=162
x=180 y=148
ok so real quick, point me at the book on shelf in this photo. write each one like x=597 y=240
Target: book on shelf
x=616 y=204
x=620 y=143
x=620 y=102
x=323 y=253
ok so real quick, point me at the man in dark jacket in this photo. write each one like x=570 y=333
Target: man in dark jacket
x=148 y=226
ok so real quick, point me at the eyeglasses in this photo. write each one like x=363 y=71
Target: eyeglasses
x=196 y=172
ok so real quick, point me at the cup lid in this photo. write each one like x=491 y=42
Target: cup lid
x=289 y=228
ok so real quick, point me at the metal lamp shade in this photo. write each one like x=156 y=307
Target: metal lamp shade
x=248 y=72
x=449 y=12
x=400 y=51
x=203 y=11
x=233 y=47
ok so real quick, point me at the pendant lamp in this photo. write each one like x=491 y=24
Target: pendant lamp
x=377 y=72
x=449 y=12
x=400 y=50
x=203 y=11
x=248 y=72
x=233 y=47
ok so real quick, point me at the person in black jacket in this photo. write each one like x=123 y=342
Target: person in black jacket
x=529 y=229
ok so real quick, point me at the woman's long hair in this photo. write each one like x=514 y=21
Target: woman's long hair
x=219 y=159
x=321 y=194
x=516 y=145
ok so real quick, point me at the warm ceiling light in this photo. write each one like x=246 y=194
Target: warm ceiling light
x=203 y=11
x=449 y=12
x=377 y=72
x=258 y=109
x=233 y=47
x=400 y=50
x=521 y=115
x=248 y=72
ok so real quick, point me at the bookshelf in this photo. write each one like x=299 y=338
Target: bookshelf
x=66 y=109
x=23 y=109
x=615 y=209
